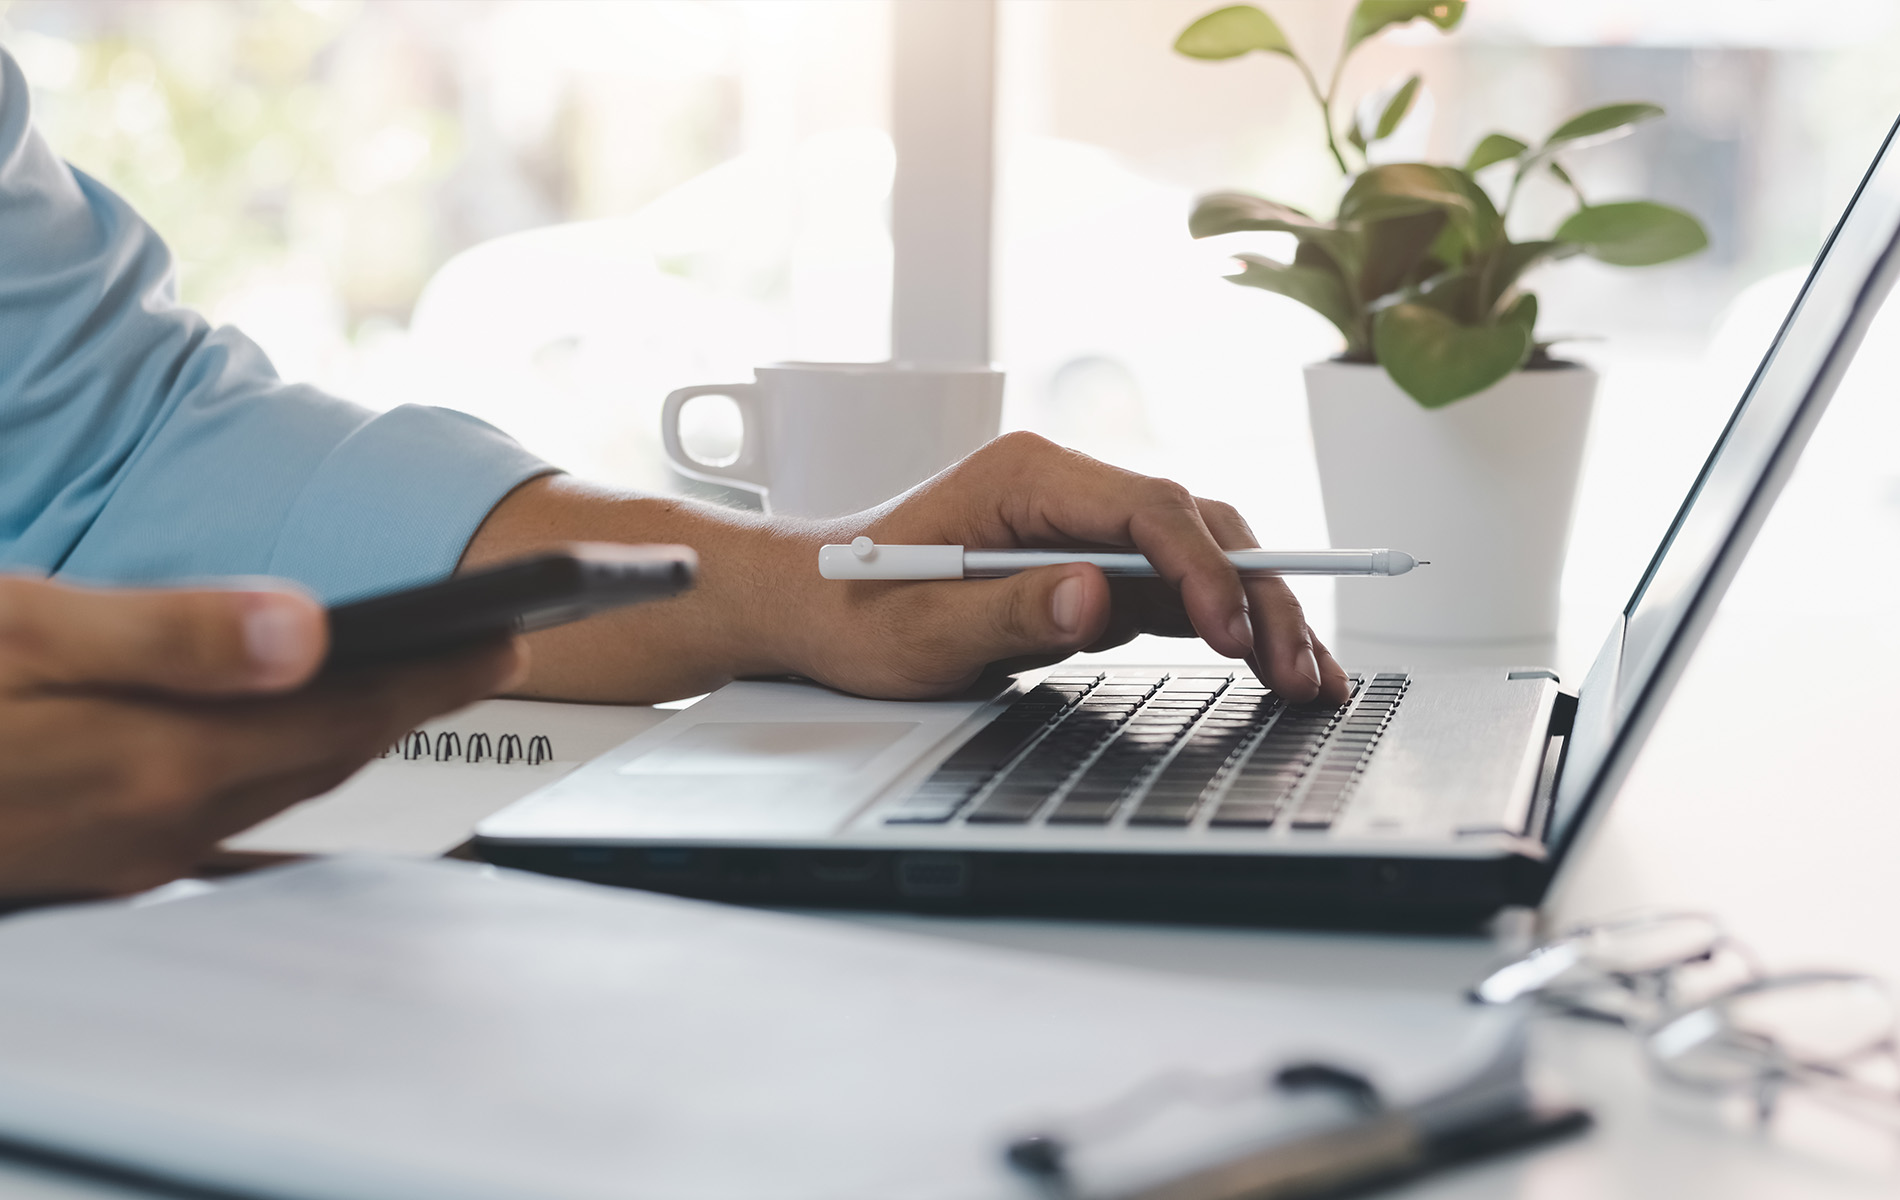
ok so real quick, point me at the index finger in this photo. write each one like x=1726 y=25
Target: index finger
x=1294 y=662
x=1074 y=497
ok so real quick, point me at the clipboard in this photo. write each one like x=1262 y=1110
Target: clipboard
x=371 y=1028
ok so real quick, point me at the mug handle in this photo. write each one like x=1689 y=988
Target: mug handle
x=747 y=470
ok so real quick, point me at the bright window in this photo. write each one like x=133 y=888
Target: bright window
x=545 y=214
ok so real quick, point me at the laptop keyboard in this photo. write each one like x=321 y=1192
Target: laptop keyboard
x=1160 y=749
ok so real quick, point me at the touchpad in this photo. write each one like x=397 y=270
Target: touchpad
x=771 y=748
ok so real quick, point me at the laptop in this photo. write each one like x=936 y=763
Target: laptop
x=1431 y=799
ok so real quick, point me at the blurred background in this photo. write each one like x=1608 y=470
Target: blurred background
x=552 y=214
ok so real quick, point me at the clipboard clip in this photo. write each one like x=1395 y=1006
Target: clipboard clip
x=1376 y=1144
x=1043 y=1155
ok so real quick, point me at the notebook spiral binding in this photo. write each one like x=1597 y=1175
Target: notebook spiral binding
x=449 y=746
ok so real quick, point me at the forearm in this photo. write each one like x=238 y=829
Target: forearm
x=743 y=619
x=762 y=609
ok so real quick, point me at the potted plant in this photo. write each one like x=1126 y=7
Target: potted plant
x=1444 y=427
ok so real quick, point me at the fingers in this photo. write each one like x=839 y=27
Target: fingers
x=205 y=642
x=1022 y=490
x=1334 y=684
x=119 y=791
x=1053 y=496
x=1284 y=652
x=954 y=630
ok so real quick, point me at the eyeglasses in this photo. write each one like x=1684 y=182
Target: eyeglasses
x=1711 y=1019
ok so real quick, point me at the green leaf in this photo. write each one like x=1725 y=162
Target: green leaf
x=1235 y=212
x=1611 y=119
x=1396 y=110
x=1523 y=311
x=1238 y=212
x=1232 y=32
x=1474 y=292
x=1319 y=289
x=1373 y=15
x=1475 y=229
x=1393 y=250
x=1487 y=224
x=1398 y=189
x=1456 y=294
x=1515 y=258
x=1435 y=360
x=1397 y=104
x=1312 y=254
x=1634 y=233
x=1495 y=148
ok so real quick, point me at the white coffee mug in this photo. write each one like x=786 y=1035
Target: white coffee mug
x=825 y=439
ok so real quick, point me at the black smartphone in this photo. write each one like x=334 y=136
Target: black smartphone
x=546 y=589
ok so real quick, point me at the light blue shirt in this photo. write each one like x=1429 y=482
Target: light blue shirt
x=138 y=444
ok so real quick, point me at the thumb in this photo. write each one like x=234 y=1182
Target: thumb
x=206 y=641
x=1056 y=609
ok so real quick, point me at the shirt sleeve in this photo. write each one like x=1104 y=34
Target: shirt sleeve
x=138 y=444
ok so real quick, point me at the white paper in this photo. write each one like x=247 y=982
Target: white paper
x=387 y=1029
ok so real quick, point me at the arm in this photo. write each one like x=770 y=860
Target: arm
x=761 y=608
x=139 y=444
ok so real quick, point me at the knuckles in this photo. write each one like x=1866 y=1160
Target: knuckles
x=1019 y=445
x=1221 y=516
x=1166 y=493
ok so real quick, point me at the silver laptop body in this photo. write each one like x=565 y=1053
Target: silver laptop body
x=1431 y=799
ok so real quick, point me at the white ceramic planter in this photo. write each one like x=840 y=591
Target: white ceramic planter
x=1483 y=487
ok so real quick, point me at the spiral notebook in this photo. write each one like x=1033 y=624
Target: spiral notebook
x=427 y=791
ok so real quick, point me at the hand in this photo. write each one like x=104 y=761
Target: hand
x=928 y=638
x=762 y=609
x=140 y=728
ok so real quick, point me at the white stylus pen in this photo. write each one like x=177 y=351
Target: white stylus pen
x=865 y=559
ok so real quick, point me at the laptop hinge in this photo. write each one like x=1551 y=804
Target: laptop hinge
x=1563 y=717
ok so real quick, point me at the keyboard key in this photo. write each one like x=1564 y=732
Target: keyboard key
x=1255 y=815
x=1083 y=812
x=1007 y=808
x=1155 y=814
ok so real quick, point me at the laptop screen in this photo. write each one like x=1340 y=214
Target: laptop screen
x=1731 y=497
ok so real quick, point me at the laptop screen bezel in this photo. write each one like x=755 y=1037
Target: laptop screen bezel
x=1579 y=808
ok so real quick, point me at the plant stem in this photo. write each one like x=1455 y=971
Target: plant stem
x=1570 y=183
x=1510 y=197
x=1325 y=102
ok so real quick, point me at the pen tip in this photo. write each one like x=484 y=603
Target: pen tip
x=1423 y=562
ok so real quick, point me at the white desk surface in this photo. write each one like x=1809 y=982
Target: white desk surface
x=1792 y=839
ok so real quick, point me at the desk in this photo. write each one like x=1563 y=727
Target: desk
x=1793 y=844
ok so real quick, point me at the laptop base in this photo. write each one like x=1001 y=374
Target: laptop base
x=1388 y=894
